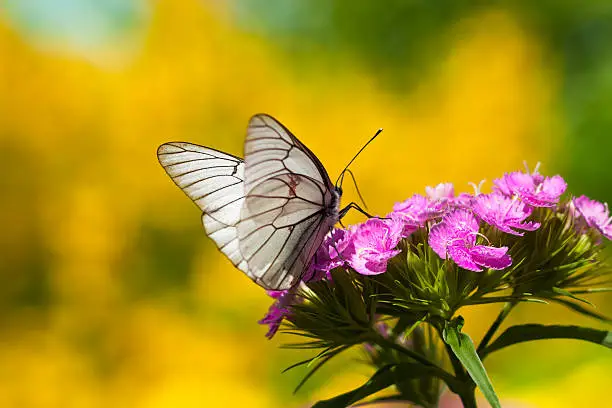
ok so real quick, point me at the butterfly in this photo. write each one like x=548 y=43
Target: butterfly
x=268 y=213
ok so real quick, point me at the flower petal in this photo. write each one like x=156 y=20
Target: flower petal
x=441 y=191
x=374 y=244
x=278 y=310
x=504 y=213
x=490 y=257
x=462 y=258
x=441 y=236
x=553 y=186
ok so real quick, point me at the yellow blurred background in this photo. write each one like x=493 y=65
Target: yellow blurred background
x=110 y=292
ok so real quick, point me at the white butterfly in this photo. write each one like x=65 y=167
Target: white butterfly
x=268 y=213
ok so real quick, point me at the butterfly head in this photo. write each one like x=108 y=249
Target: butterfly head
x=338 y=190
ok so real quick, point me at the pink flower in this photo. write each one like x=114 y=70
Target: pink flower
x=409 y=224
x=504 y=213
x=416 y=211
x=455 y=237
x=441 y=191
x=420 y=209
x=463 y=200
x=375 y=242
x=594 y=214
x=278 y=310
x=534 y=189
x=335 y=250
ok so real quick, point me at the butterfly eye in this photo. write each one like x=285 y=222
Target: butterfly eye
x=339 y=190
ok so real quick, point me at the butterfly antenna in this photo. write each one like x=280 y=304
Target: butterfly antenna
x=354 y=157
x=356 y=187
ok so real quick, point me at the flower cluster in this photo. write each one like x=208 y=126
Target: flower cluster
x=395 y=285
x=475 y=231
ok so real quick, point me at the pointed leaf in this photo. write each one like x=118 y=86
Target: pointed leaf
x=529 y=332
x=318 y=362
x=581 y=309
x=563 y=292
x=383 y=378
x=464 y=349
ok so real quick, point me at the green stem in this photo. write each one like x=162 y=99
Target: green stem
x=508 y=306
x=468 y=399
x=441 y=373
x=391 y=344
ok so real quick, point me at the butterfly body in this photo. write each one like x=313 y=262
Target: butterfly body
x=267 y=213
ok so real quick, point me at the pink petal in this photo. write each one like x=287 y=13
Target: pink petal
x=607 y=231
x=442 y=190
x=527 y=226
x=553 y=186
x=490 y=257
x=462 y=258
x=441 y=235
x=369 y=262
x=537 y=200
x=409 y=224
x=462 y=220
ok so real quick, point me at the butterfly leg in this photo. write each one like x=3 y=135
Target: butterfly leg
x=355 y=206
x=356 y=186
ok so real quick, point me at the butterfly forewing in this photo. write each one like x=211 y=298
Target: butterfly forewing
x=271 y=149
x=215 y=182
x=268 y=214
x=288 y=208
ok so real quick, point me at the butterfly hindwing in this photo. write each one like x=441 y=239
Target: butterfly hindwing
x=274 y=231
x=215 y=182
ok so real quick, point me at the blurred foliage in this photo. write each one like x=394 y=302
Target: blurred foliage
x=399 y=42
x=110 y=293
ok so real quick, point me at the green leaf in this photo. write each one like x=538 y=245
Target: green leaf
x=563 y=292
x=464 y=349
x=318 y=362
x=383 y=378
x=529 y=332
x=582 y=310
x=591 y=290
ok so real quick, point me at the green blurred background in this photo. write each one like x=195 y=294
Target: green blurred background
x=110 y=292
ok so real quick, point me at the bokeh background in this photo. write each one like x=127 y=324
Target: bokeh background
x=110 y=292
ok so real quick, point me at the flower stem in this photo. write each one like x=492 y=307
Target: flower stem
x=391 y=344
x=468 y=399
x=441 y=373
x=504 y=312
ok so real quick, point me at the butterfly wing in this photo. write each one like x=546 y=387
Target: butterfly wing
x=215 y=182
x=289 y=205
